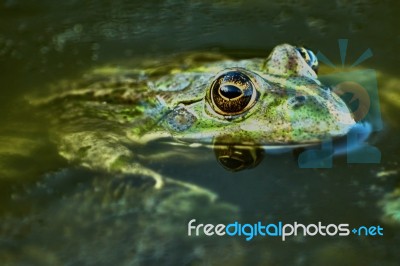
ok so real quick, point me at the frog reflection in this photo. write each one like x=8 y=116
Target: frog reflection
x=238 y=157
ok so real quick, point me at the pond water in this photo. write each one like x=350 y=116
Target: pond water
x=56 y=211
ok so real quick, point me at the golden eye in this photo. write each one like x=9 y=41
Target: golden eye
x=232 y=93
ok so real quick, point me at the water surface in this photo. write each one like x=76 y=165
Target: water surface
x=56 y=212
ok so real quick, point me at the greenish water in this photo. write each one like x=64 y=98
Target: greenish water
x=56 y=212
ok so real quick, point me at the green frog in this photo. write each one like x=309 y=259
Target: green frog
x=105 y=119
x=110 y=207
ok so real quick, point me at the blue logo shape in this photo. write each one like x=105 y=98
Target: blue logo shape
x=358 y=88
x=343 y=51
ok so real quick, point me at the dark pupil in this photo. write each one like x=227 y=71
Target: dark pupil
x=230 y=91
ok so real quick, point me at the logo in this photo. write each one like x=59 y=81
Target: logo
x=358 y=88
x=280 y=229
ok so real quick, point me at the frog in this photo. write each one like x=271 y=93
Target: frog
x=104 y=119
x=109 y=123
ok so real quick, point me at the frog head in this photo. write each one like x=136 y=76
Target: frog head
x=275 y=102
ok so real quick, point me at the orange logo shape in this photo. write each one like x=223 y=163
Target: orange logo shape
x=359 y=93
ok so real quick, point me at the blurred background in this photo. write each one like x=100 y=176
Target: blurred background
x=45 y=41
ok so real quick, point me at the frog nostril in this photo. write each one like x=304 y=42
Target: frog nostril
x=300 y=98
x=297 y=101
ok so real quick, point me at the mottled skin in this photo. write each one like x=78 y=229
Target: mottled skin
x=292 y=106
x=113 y=120
x=110 y=111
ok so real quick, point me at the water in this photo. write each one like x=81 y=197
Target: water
x=55 y=212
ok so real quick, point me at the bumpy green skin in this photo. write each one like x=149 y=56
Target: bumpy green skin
x=102 y=120
x=277 y=118
x=174 y=101
x=114 y=210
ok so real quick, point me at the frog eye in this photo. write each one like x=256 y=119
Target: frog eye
x=309 y=57
x=232 y=93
